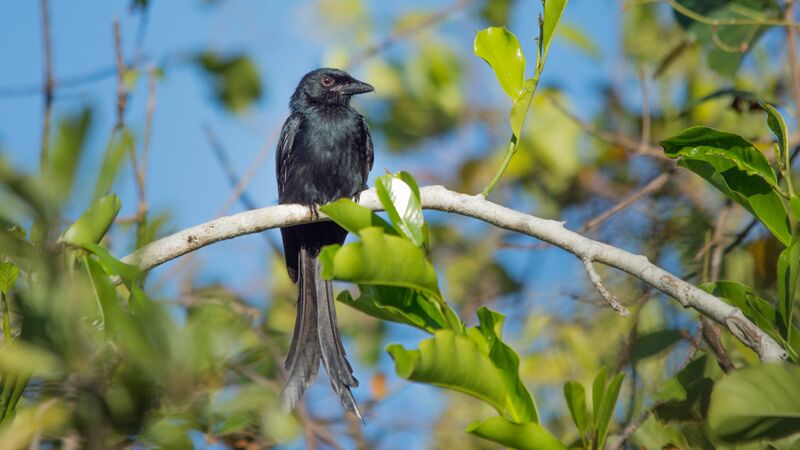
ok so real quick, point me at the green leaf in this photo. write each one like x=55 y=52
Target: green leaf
x=576 y=401
x=402 y=305
x=402 y=204
x=459 y=362
x=500 y=48
x=521 y=407
x=553 y=9
x=758 y=402
x=598 y=390
x=685 y=397
x=380 y=259
x=651 y=344
x=94 y=222
x=755 y=308
x=119 y=145
x=65 y=153
x=607 y=408
x=524 y=436
x=354 y=217
x=735 y=167
x=106 y=295
x=794 y=206
x=778 y=126
x=8 y=276
x=235 y=79
x=112 y=265
x=788 y=266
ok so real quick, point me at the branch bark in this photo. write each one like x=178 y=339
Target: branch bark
x=475 y=206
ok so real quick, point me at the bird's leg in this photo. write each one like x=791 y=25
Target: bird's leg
x=314 y=210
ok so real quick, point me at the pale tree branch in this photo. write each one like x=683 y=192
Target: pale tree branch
x=594 y=277
x=441 y=199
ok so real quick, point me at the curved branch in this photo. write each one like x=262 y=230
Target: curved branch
x=441 y=199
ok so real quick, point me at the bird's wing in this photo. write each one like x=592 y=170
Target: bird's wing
x=284 y=151
x=369 y=153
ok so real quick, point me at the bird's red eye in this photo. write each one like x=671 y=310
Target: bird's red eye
x=327 y=81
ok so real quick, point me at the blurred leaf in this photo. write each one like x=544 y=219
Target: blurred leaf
x=46 y=418
x=496 y=12
x=476 y=363
x=756 y=402
x=650 y=344
x=22 y=358
x=106 y=295
x=574 y=35
x=524 y=436
x=119 y=145
x=576 y=402
x=354 y=217
x=65 y=153
x=553 y=9
x=501 y=50
x=235 y=79
x=399 y=195
x=93 y=224
x=607 y=408
x=169 y=433
x=726 y=46
x=598 y=391
x=735 y=167
x=788 y=267
x=654 y=434
x=8 y=276
x=112 y=265
x=686 y=396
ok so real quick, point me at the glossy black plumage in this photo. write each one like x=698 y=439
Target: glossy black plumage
x=324 y=153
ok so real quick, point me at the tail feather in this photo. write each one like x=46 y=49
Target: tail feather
x=302 y=362
x=316 y=337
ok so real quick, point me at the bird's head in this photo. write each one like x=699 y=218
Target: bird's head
x=328 y=86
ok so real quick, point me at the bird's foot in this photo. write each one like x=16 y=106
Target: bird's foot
x=314 y=210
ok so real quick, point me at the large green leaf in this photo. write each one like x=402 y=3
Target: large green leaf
x=553 y=9
x=476 y=363
x=399 y=195
x=788 y=266
x=500 y=48
x=735 y=167
x=402 y=305
x=756 y=403
x=380 y=259
x=354 y=217
x=93 y=224
x=524 y=436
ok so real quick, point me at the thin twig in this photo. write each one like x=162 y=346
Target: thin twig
x=141 y=172
x=601 y=289
x=646 y=119
x=791 y=53
x=49 y=85
x=712 y=337
x=652 y=186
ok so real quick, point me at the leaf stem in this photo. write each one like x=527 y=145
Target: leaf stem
x=510 y=151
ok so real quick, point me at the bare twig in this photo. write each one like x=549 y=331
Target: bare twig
x=49 y=86
x=601 y=289
x=712 y=338
x=652 y=186
x=646 y=120
x=791 y=54
x=441 y=199
x=141 y=170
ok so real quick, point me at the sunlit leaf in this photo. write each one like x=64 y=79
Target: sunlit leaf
x=525 y=436
x=354 y=217
x=500 y=48
x=553 y=9
x=735 y=167
x=575 y=396
x=399 y=195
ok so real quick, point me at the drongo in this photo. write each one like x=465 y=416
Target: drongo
x=324 y=153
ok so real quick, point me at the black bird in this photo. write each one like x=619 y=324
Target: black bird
x=324 y=153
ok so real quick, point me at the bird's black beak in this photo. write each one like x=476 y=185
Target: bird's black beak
x=355 y=87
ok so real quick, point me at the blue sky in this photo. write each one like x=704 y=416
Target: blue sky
x=184 y=179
